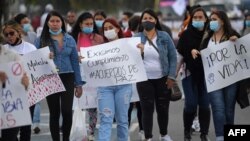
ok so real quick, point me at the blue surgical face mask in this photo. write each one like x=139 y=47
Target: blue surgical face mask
x=26 y=27
x=55 y=33
x=87 y=30
x=198 y=24
x=214 y=25
x=99 y=23
x=247 y=22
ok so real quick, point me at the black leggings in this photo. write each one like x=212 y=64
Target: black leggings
x=25 y=131
x=63 y=102
x=154 y=92
x=9 y=134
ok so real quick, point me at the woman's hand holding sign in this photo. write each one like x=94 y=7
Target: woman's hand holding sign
x=195 y=53
x=78 y=92
x=25 y=81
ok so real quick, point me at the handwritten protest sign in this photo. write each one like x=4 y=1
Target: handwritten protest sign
x=14 y=102
x=44 y=77
x=226 y=63
x=114 y=63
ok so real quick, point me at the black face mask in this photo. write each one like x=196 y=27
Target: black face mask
x=147 y=25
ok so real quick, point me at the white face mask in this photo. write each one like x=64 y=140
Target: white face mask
x=110 y=34
x=125 y=24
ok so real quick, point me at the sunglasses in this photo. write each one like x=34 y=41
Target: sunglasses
x=10 y=33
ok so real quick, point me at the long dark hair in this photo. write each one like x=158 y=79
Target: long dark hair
x=114 y=23
x=46 y=39
x=153 y=14
x=133 y=23
x=227 y=27
x=18 y=18
x=204 y=13
x=244 y=22
x=76 y=28
x=100 y=12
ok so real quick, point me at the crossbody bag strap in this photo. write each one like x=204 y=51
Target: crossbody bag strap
x=151 y=43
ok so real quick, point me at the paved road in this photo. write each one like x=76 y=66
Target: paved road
x=175 y=124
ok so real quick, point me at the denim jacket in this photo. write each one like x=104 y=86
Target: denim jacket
x=66 y=58
x=167 y=52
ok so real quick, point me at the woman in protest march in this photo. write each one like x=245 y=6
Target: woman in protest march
x=246 y=24
x=222 y=100
x=192 y=78
x=7 y=55
x=85 y=34
x=27 y=30
x=159 y=57
x=30 y=36
x=113 y=101
x=14 y=38
x=99 y=17
x=64 y=53
x=15 y=42
x=244 y=85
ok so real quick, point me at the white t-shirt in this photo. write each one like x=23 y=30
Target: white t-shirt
x=211 y=42
x=22 y=48
x=152 y=61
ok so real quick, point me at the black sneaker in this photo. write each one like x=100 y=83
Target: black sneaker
x=187 y=136
x=37 y=130
x=204 y=137
x=187 y=139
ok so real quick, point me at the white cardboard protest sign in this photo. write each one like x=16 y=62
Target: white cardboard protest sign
x=114 y=63
x=14 y=102
x=89 y=98
x=226 y=63
x=43 y=75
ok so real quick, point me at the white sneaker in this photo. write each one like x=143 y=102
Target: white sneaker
x=91 y=137
x=166 y=138
x=149 y=139
x=196 y=124
x=141 y=135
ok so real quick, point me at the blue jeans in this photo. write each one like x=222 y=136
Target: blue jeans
x=223 y=107
x=114 y=101
x=193 y=97
x=36 y=117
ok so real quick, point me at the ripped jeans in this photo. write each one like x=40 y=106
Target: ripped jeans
x=114 y=101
